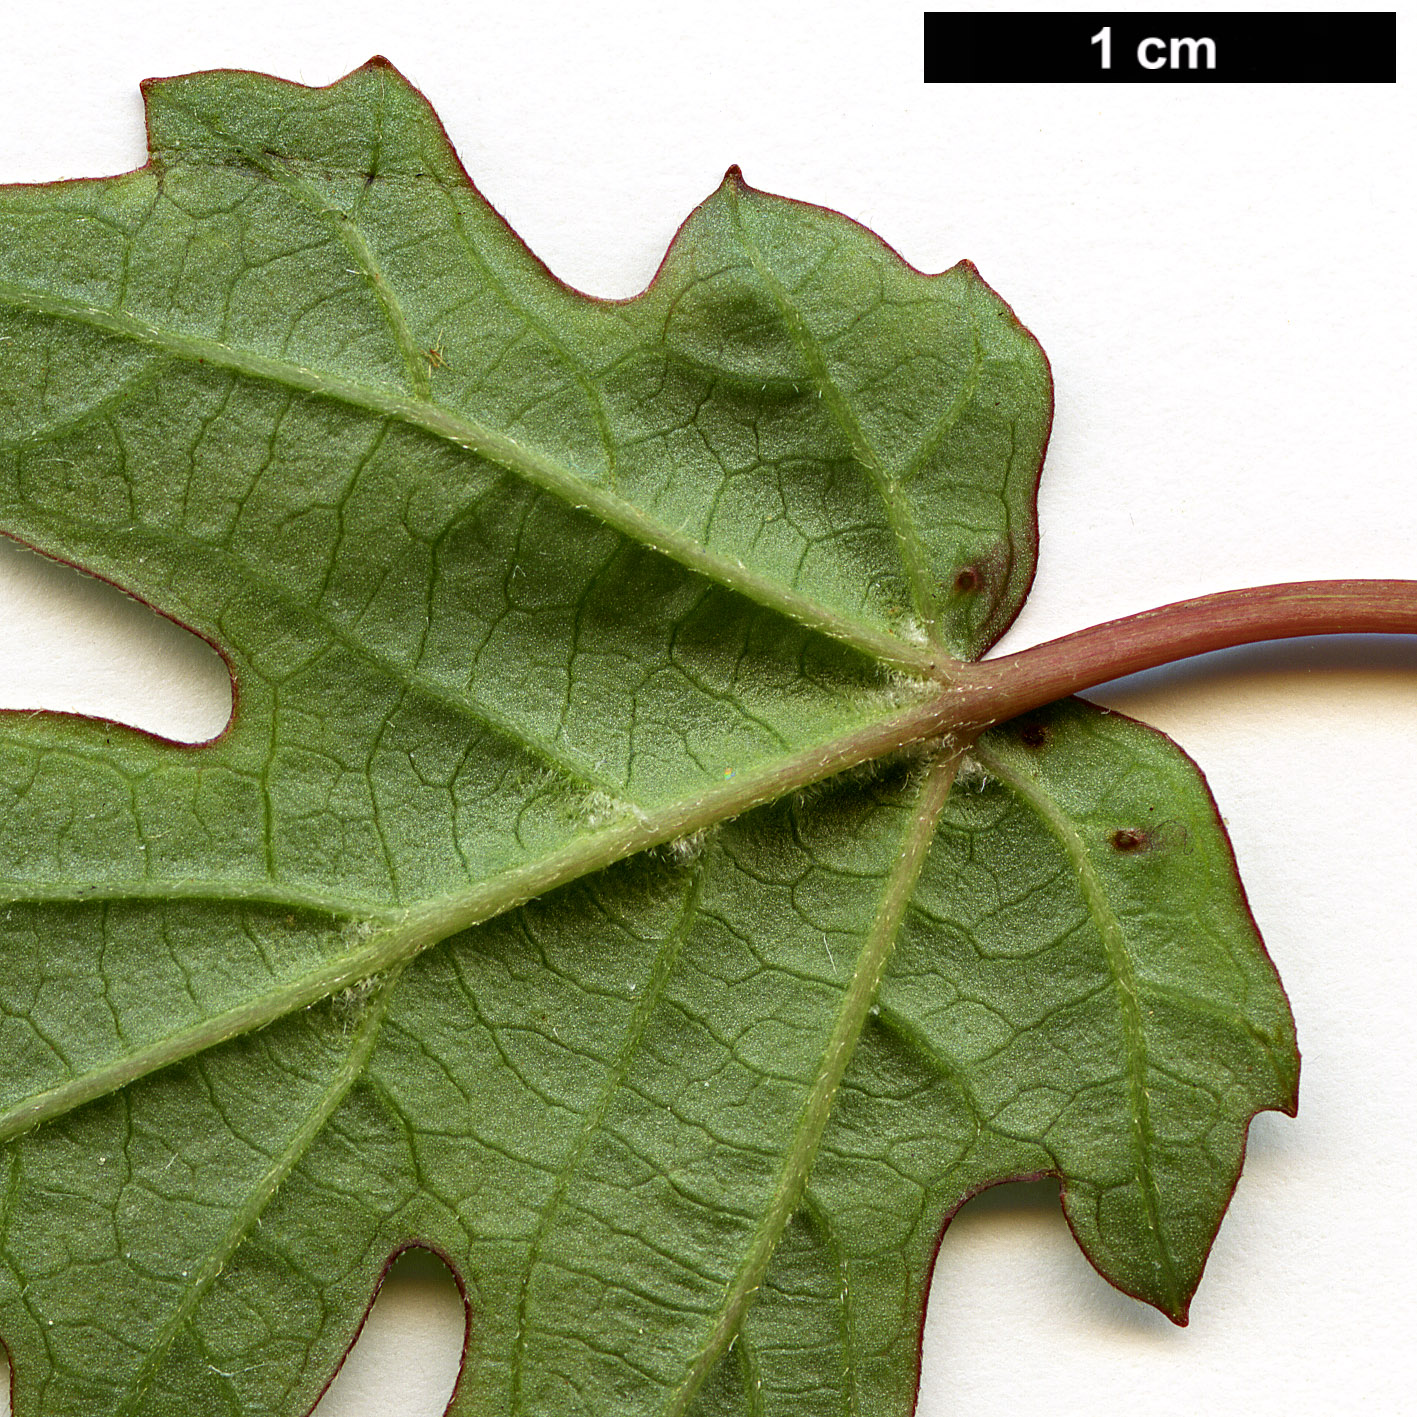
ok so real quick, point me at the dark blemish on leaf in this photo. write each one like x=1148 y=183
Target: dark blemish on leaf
x=1130 y=839
x=1034 y=735
x=981 y=596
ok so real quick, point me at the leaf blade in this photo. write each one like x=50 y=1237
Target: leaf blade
x=518 y=586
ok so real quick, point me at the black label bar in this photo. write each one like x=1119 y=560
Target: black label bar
x=1161 y=47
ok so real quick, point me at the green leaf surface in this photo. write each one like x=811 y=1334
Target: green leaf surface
x=589 y=885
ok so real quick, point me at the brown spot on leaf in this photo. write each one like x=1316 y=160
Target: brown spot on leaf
x=1130 y=839
x=981 y=601
x=1034 y=735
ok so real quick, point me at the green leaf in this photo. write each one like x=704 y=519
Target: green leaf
x=593 y=884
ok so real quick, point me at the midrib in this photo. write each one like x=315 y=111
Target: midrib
x=382 y=939
x=501 y=451
x=836 y=1055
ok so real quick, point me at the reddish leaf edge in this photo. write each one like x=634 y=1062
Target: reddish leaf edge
x=734 y=176
x=1180 y=1316
x=397 y=1253
x=114 y=725
x=403 y=1248
x=1025 y=532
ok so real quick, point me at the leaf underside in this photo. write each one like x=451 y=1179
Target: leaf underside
x=521 y=911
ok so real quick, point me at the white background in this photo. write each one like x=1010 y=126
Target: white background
x=1223 y=279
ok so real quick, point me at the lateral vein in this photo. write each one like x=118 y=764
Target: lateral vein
x=840 y=1047
x=1119 y=965
x=501 y=451
x=563 y=759
x=350 y=236
x=381 y=939
x=660 y=972
x=355 y=242
x=887 y=486
x=265 y=1188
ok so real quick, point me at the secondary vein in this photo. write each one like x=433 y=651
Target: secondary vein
x=286 y=175
x=563 y=758
x=912 y=555
x=1119 y=965
x=380 y=939
x=840 y=1046
x=660 y=972
x=355 y=242
x=502 y=451
x=265 y=1188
